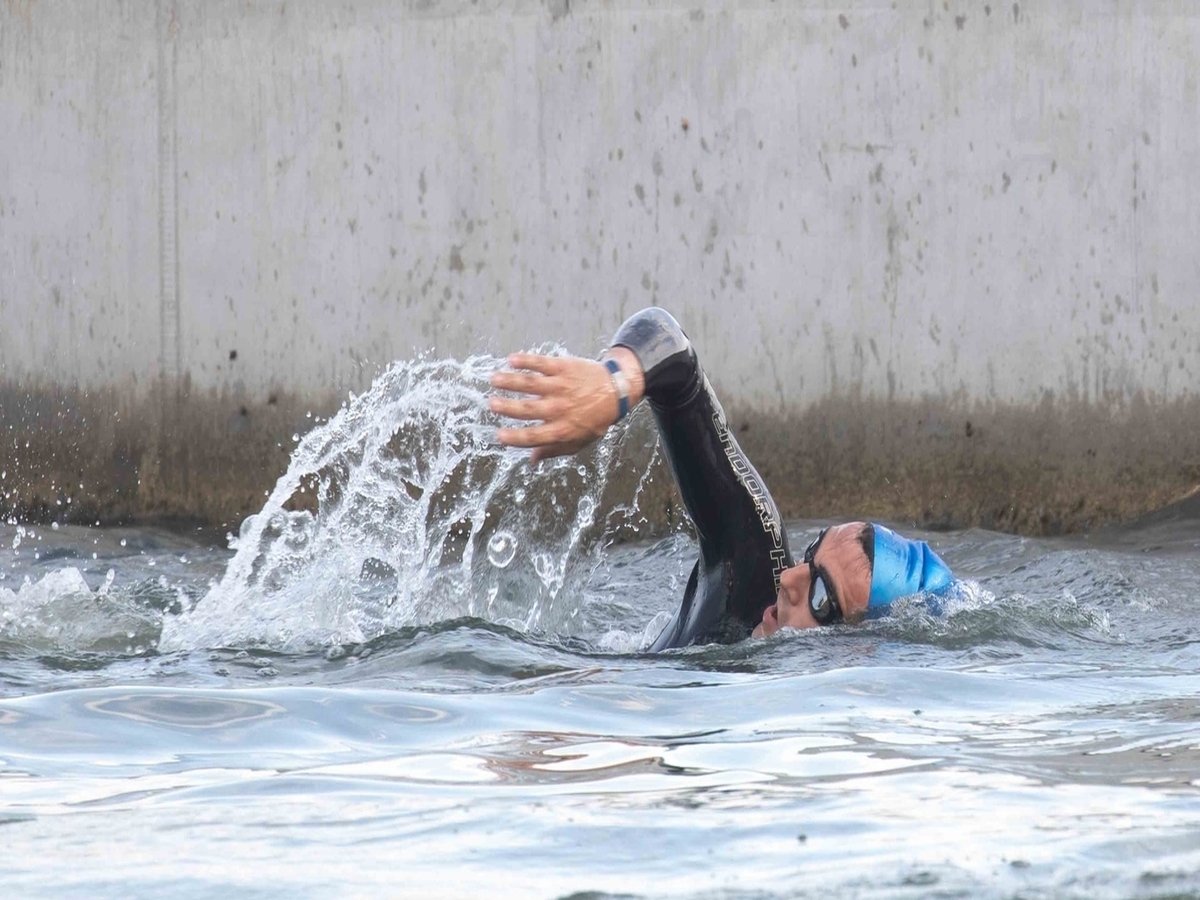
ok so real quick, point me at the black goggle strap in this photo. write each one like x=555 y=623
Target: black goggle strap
x=810 y=551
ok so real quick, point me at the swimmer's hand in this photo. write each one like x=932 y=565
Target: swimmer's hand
x=573 y=399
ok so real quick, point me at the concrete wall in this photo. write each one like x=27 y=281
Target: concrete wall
x=214 y=216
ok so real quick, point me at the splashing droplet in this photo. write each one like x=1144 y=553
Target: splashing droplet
x=501 y=549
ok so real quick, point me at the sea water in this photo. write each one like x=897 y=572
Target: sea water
x=419 y=671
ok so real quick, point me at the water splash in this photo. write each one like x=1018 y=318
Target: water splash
x=971 y=616
x=61 y=614
x=419 y=517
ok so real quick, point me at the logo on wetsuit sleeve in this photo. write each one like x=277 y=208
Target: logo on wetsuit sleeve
x=754 y=487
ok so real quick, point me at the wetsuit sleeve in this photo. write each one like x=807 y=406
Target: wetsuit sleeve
x=743 y=545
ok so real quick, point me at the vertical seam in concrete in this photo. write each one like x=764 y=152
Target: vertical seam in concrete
x=1138 y=74
x=171 y=467
x=168 y=196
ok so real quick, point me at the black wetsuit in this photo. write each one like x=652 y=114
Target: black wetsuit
x=743 y=546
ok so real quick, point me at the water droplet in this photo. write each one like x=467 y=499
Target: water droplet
x=17 y=540
x=582 y=470
x=519 y=495
x=587 y=509
x=501 y=549
x=543 y=564
x=123 y=542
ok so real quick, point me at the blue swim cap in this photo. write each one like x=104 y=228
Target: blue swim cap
x=903 y=568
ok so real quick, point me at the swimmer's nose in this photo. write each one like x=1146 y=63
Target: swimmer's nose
x=789 y=591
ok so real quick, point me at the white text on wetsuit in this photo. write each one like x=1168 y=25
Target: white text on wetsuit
x=749 y=480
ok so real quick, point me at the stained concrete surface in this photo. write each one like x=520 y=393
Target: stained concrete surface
x=206 y=461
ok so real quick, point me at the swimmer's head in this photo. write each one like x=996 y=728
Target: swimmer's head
x=851 y=571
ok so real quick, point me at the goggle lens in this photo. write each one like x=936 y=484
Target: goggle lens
x=821 y=601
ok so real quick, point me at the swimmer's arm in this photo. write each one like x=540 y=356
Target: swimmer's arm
x=573 y=400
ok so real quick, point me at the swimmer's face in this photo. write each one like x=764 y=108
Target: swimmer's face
x=841 y=561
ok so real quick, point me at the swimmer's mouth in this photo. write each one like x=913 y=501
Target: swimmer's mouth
x=770 y=617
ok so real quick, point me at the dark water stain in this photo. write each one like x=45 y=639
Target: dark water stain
x=1062 y=466
x=204 y=458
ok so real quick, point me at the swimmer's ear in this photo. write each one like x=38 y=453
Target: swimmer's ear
x=866 y=538
x=862 y=568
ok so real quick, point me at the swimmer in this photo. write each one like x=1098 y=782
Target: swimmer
x=747 y=581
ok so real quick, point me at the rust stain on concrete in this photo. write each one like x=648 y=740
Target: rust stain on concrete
x=21 y=9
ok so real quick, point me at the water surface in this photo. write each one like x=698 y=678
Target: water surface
x=430 y=683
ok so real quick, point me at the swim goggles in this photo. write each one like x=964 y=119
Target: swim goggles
x=822 y=602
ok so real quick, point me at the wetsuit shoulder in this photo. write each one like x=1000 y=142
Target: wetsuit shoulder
x=668 y=360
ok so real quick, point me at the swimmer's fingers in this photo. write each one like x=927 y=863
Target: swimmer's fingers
x=534 y=362
x=522 y=383
x=527 y=410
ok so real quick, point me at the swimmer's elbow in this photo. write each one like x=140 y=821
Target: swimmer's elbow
x=666 y=355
